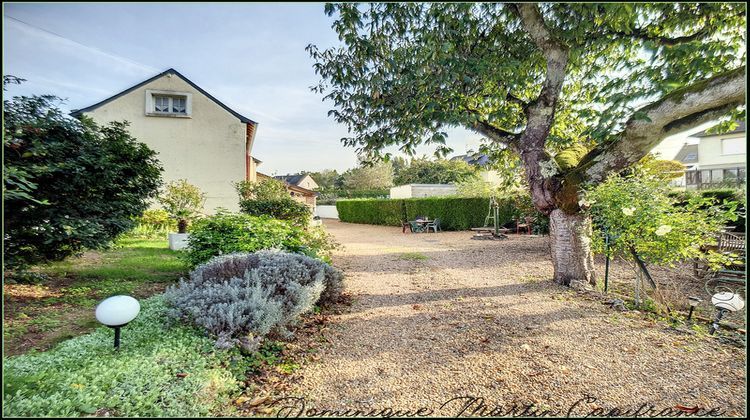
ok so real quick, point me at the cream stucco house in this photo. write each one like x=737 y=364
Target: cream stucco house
x=717 y=160
x=197 y=137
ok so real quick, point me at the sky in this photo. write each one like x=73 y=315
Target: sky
x=249 y=56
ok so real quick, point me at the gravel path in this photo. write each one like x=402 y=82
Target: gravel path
x=441 y=316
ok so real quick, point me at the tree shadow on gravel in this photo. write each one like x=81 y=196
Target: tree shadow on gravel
x=369 y=301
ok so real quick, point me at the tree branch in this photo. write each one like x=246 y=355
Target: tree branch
x=540 y=112
x=677 y=111
x=554 y=52
x=643 y=35
x=496 y=134
x=515 y=99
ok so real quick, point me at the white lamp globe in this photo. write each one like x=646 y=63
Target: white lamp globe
x=117 y=310
x=728 y=300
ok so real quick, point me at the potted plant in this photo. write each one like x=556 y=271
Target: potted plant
x=184 y=203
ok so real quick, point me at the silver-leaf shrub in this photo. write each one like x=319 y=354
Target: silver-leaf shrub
x=240 y=298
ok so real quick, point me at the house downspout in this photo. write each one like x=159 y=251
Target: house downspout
x=252 y=129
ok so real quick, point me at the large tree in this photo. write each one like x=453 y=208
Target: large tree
x=70 y=185
x=612 y=79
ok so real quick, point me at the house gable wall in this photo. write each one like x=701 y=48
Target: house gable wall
x=208 y=148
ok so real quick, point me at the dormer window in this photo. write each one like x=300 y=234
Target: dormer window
x=168 y=104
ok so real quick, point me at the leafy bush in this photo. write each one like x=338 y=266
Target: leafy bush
x=84 y=376
x=152 y=224
x=455 y=213
x=269 y=197
x=266 y=189
x=240 y=298
x=640 y=214
x=226 y=233
x=285 y=209
x=183 y=202
x=69 y=185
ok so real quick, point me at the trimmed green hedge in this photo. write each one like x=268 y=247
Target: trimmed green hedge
x=455 y=213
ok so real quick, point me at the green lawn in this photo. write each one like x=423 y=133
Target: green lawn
x=42 y=313
x=162 y=369
x=60 y=362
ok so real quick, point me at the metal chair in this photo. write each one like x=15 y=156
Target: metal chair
x=406 y=224
x=434 y=225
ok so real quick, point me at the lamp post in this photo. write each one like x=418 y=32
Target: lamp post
x=693 y=301
x=725 y=302
x=116 y=312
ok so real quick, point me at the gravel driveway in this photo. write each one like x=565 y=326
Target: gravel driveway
x=438 y=317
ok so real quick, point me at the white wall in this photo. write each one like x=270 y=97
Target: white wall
x=327 y=212
x=207 y=149
x=710 y=154
x=402 y=191
x=422 y=190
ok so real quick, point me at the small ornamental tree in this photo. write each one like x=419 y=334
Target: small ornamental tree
x=69 y=185
x=183 y=201
x=641 y=217
x=270 y=197
x=267 y=189
x=535 y=79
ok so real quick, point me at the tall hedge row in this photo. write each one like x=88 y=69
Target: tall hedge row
x=455 y=213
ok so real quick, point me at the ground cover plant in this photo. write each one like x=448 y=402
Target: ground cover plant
x=54 y=301
x=160 y=370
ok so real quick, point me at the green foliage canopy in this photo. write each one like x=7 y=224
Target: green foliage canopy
x=70 y=185
x=270 y=197
x=225 y=233
x=439 y=171
x=406 y=72
x=640 y=214
x=369 y=177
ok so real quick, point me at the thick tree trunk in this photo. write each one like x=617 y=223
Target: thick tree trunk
x=571 y=249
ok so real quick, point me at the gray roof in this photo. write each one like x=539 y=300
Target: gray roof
x=688 y=154
x=291 y=179
x=740 y=129
x=243 y=119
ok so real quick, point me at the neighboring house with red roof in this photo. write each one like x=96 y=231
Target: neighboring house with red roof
x=197 y=137
x=301 y=194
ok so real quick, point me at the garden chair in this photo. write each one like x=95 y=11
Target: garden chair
x=415 y=227
x=527 y=221
x=405 y=224
x=434 y=225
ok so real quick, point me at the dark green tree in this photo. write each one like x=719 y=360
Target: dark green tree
x=534 y=79
x=69 y=185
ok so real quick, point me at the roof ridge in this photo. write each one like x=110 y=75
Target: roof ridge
x=170 y=70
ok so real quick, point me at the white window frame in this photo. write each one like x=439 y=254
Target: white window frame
x=150 y=103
